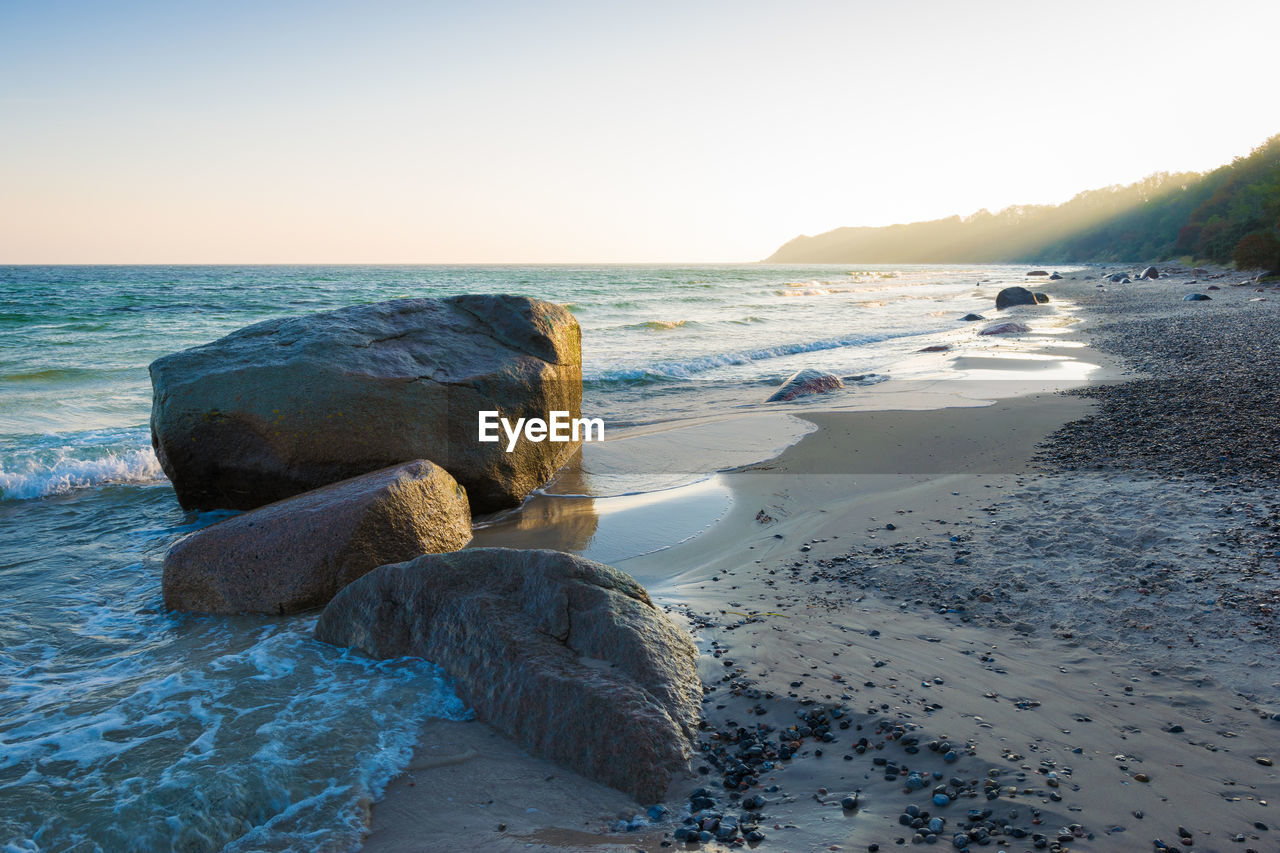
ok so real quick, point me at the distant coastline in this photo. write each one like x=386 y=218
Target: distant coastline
x=1228 y=215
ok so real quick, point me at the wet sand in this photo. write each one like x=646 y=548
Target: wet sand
x=926 y=573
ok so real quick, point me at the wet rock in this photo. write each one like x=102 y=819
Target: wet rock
x=1041 y=298
x=805 y=382
x=1012 y=296
x=289 y=405
x=1006 y=329
x=567 y=656
x=1037 y=273
x=297 y=553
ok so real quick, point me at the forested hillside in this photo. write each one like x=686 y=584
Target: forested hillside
x=1229 y=214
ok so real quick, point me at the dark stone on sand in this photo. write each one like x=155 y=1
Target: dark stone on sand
x=1196 y=297
x=936 y=348
x=970 y=318
x=297 y=553
x=1055 y=277
x=805 y=382
x=1041 y=298
x=1116 y=278
x=1150 y=273
x=567 y=656
x=1011 y=296
x=1006 y=329
x=289 y=405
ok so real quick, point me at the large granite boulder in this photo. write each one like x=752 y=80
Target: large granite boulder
x=1150 y=274
x=297 y=553
x=802 y=383
x=1011 y=296
x=289 y=405
x=567 y=656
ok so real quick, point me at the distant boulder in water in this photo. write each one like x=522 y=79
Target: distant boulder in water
x=1036 y=273
x=1011 y=296
x=289 y=405
x=806 y=382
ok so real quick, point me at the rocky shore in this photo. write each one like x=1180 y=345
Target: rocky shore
x=1042 y=624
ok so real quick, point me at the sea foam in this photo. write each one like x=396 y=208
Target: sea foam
x=53 y=465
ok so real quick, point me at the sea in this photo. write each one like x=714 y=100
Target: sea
x=124 y=727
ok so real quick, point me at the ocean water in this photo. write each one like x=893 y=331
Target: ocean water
x=124 y=727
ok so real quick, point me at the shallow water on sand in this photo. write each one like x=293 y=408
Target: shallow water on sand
x=123 y=727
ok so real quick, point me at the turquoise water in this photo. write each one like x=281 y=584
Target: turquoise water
x=123 y=727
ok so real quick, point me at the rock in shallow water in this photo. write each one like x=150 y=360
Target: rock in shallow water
x=289 y=405
x=1006 y=329
x=1011 y=296
x=297 y=553
x=567 y=656
x=802 y=383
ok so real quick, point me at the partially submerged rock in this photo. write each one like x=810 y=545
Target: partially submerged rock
x=289 y=405
x=802 y=383
x=1037 y=272
x=1011 y=296
x=1006 y=329
x=297 y=553
x=567 y=656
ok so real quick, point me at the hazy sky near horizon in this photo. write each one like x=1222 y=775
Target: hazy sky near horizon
x=403 y=132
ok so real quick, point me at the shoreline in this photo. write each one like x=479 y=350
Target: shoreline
x=861 y=601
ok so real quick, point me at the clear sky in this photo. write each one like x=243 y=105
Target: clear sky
x=405 y=132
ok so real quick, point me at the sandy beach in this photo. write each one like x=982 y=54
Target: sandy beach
x=986 y=590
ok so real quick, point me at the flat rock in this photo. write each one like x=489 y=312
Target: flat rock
x=567 y=656
x=1196 y=297
x=297 y=553
x=802 y=383
x=1037 y=273
x=970 y=318
x=289 y=405
x=1011 y=296
x=1006 y=329
x=1055 y=277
